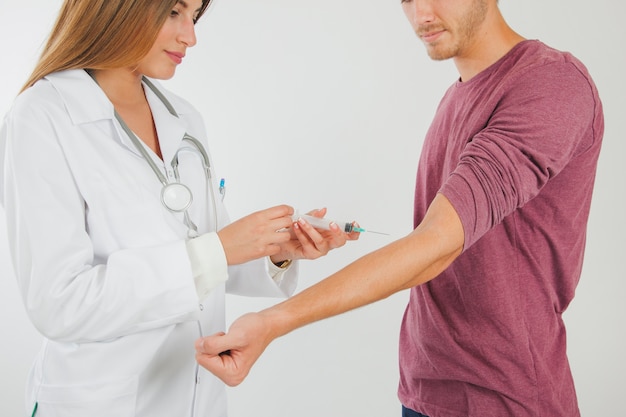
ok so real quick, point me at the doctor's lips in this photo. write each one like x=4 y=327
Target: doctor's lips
x=177 y=57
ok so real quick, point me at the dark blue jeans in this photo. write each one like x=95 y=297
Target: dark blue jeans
x=407 y=412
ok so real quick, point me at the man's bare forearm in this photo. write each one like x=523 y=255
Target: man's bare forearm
x=405 y=263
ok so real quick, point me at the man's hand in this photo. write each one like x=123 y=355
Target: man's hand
x=230 y=356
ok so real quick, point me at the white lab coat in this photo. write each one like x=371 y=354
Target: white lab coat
x=102 y=266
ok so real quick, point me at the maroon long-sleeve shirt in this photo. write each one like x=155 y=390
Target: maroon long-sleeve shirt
x=515 y=150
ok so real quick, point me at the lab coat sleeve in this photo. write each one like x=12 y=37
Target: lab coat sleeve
x=262 y=279
x=256 y=278
x=68 y=294
x=208 y=263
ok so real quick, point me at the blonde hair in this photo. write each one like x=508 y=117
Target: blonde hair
x=102 y=34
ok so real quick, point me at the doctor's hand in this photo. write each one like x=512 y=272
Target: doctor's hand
x=230 y=356
x=257 y=235
x=308 y=242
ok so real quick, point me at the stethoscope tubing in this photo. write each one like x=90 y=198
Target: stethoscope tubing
x=175 y=196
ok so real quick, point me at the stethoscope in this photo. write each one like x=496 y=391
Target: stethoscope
x=175 y=196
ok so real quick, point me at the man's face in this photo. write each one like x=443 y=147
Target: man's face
x=447 y=27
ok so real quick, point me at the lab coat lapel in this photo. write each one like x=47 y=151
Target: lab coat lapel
x=87 y=103
x=170 y=129
x=84 y=99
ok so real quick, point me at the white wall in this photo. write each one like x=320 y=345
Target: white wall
x=325 y=103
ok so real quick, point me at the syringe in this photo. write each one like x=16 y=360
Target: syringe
x=324 y=224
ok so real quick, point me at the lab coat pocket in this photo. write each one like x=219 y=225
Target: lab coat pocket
x=108 y=398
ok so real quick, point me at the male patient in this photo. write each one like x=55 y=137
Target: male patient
x=502 y=200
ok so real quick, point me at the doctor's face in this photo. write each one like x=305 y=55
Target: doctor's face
x=177 y=34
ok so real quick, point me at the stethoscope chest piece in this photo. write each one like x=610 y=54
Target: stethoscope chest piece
x=176 y=197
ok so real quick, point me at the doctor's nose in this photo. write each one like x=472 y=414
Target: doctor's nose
x=187 y=34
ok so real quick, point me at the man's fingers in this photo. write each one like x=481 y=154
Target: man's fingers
x=230 y=356
x=214 y=354
x=223 y=367
x=213 y=345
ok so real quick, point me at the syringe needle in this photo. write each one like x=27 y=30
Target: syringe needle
x=322 y=223
x=378 y=233
x=361 y=230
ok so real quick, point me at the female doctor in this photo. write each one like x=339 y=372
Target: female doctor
x=120 y=243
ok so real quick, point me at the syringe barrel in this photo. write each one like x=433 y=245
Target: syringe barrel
x=323 y=223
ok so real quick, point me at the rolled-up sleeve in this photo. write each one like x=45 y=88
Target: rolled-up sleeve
x=537 y=128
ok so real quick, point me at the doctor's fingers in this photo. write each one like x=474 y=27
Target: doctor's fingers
x=269 y=220
x=282 y=211
x=257 y=226
x=320 y=213
x=331 y=239
x=316 y=244
x=242 y=244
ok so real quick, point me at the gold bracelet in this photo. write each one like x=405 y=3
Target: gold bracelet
x=283 y=264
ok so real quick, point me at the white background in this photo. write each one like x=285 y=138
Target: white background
x=325 y=103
